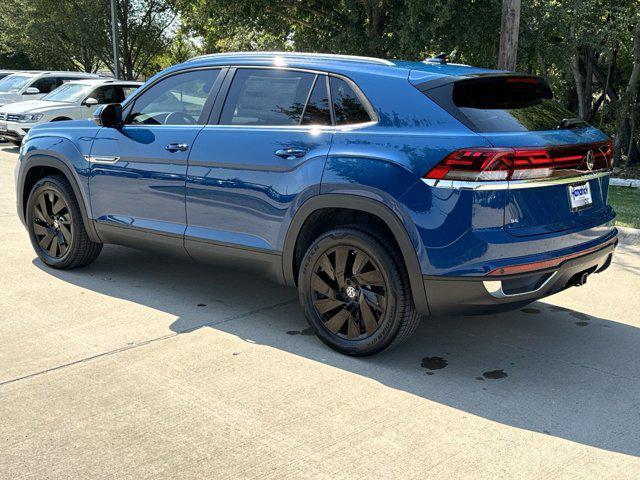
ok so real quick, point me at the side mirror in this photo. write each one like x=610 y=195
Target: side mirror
x=31 y=91
x=109 y=115
x=90 y=102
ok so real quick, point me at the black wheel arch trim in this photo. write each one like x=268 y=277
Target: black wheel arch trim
x=367 y=205
x=37 y=161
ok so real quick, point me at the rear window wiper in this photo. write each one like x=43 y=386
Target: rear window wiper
x=569 y=123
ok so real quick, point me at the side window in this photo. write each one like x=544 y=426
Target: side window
x=318 y=110
x=176 y=100
x=266 y=97
x=45 y=84
x=347 y=105
x=108 y=94
x=63 y=80
x=128 y=90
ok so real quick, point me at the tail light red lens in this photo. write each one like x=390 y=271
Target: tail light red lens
x=494 y=164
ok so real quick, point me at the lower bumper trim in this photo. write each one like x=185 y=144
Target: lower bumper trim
x=483 y=295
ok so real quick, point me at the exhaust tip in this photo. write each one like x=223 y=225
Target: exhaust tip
x=579 y=278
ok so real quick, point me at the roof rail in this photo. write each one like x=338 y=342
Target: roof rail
x=328 y=56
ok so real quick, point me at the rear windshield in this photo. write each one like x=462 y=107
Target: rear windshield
x=503 y=104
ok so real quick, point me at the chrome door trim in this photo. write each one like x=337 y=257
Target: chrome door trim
x=101 y=159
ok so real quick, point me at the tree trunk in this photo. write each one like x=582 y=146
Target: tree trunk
x=509 y=28
x=577 y=77
x=624 y=138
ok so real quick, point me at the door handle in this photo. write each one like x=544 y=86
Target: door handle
x=291 y=153
x=177 y=147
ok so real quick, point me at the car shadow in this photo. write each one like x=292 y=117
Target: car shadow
x=9 y=148
x=543 y=368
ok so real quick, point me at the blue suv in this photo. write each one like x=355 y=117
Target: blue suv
x=384 y=190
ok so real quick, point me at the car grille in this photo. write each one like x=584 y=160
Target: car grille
x=9 y=117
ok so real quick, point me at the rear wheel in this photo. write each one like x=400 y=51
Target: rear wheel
x=355 y=293
x=55 y=225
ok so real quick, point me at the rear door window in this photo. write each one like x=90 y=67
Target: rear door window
x=348 y=106
x=45 y=84
x=108 y=94
x=266 y=97
x=318 y=109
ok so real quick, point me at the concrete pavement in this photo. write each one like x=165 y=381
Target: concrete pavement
x=141 y=366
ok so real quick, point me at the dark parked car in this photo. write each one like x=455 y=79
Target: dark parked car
x=383 y=190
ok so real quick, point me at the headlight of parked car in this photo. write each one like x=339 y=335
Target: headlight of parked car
x=30 y=117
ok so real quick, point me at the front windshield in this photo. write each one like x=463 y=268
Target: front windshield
x=13 y=82
x=69 y=93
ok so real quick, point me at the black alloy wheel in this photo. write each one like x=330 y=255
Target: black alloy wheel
x=349 y=292
x=52 y=223
x=56 y=227
x=354 y=291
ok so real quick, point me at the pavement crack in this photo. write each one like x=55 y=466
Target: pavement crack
x=145 y=342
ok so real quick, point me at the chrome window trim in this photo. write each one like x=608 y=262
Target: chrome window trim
x=494 y=288
x=332 y=128
x=513 y=185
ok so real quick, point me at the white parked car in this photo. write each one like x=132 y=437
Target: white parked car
x=6 y=73
x=72 y=101
x=23 y=86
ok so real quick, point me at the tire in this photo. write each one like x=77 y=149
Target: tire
x=339 y=316
x=56 y=230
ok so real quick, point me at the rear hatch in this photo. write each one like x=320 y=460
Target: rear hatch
x=556 y=167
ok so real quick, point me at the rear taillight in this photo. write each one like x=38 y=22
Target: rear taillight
x=494 y=164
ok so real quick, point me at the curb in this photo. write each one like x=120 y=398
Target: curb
x=625 y=182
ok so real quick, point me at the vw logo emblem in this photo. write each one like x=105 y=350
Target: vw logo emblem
x=351 y=292
x=591 y=160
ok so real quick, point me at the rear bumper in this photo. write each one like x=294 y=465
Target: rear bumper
x=488 y=294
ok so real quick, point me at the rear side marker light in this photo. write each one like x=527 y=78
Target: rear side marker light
x=500 y=164
x=545 y=264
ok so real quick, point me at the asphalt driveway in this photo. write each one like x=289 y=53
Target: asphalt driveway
x=141 y=366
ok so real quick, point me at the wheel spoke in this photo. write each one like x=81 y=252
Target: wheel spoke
x=53 y=248
x=326 y=304
x=66 y=233
x=375 y=300
x=373 y=278
x=353 y=330
x=58 y=206
x=42 y=204
x=321 y=286
x=369 y=320
x=341 y=264
x=39 y=229
x=39 y=215
x=62 y=246
x=45 y=241
x=359 y=261
x=326 y=266
x=335 y=323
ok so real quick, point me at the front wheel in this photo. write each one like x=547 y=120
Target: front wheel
x=355 y=292
x=55 y=225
